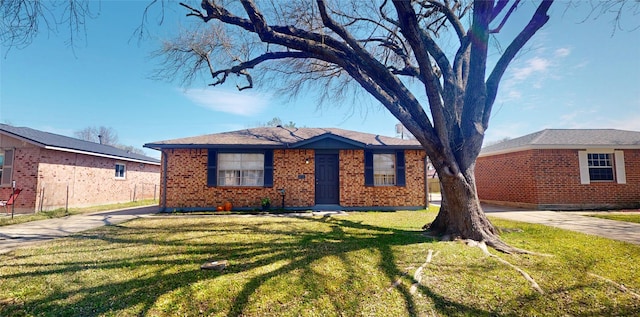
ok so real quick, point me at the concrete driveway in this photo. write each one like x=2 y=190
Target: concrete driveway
x=571 y=220
x=14 y=236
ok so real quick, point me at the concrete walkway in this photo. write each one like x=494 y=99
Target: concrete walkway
x=15 y=236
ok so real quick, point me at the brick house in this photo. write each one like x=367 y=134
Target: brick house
x=560 y=169
x=314 y=168
x=56 y=171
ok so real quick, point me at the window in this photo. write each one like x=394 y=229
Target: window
x=240 y=169
x=384 y=168
x=6 y=167
x=121 y=170
x=602 y=165
x=250 y=168
x=384 y=171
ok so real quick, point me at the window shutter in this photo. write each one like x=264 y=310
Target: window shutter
x=268 y=168
x=7 y=168
x=368 y=168
x=400 y=169
x=584 y=167
x=621 y=176
x=212 y=168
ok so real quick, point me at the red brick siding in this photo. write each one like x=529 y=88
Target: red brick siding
x=186 y=182
x=91 y=180
x=25 y=171
x=288 y=165
x=353 y=193
x=506 y=177
x=551 y=178
x=44 y=176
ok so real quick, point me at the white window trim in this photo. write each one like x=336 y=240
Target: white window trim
x=124 y=176
x=620 y=176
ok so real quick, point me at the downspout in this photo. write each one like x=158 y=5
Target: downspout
x=163 y=204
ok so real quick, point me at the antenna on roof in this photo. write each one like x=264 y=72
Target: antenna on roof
x=100 y=138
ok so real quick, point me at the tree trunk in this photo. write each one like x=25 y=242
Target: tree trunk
x=461 y=215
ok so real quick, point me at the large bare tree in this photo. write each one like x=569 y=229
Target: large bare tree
x=392 y=50
x=102 y=135
x=396 y=51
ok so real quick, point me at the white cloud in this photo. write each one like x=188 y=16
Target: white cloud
x=533 y=65
x=562 y=52
x=238 y=103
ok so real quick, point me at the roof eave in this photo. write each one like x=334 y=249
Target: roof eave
x=121 y=158
x=561 y=147
x=160 y=147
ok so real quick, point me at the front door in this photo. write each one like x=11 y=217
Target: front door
x=327 y=179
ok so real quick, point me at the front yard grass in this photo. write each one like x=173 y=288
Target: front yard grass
x=6 y=220
x=630 y=217
x=361 y=264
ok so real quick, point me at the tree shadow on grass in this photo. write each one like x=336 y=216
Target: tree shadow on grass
x=172 y=264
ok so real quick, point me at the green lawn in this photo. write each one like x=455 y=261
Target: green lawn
x=635 y=217
x=314 y=266
x=58 y=213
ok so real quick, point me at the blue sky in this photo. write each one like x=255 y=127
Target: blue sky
x=573 y=75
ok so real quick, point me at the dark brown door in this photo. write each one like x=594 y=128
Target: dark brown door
x=327 y=179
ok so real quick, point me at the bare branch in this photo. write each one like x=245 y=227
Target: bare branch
x=506 y=17
x=539 y=18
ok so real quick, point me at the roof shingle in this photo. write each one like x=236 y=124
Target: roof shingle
x=61 y=142
x=567 y=138
x=280 y=137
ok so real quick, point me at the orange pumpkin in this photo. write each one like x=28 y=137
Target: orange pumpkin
x=219 y=208
x=227 y=206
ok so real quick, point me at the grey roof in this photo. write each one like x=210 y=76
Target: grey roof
x=65 y=143
x=568 y=139
x=280 y=137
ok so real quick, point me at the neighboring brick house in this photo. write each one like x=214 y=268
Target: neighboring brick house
x=560 y=169
x=56 y=171
x=316 y=168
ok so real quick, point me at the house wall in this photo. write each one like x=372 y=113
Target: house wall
x=44 y=176
x=507 y=178
x=25 y=171
x=186 y=180
x=353 y=193
x=550 y=179
x=90 y=180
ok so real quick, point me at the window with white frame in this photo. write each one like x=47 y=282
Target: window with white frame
x=121 y=171
x=6 y=167
x=384 y=169
x=240 y=169
x=602 y=165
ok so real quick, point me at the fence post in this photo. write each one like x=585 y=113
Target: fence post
x=66 y=206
